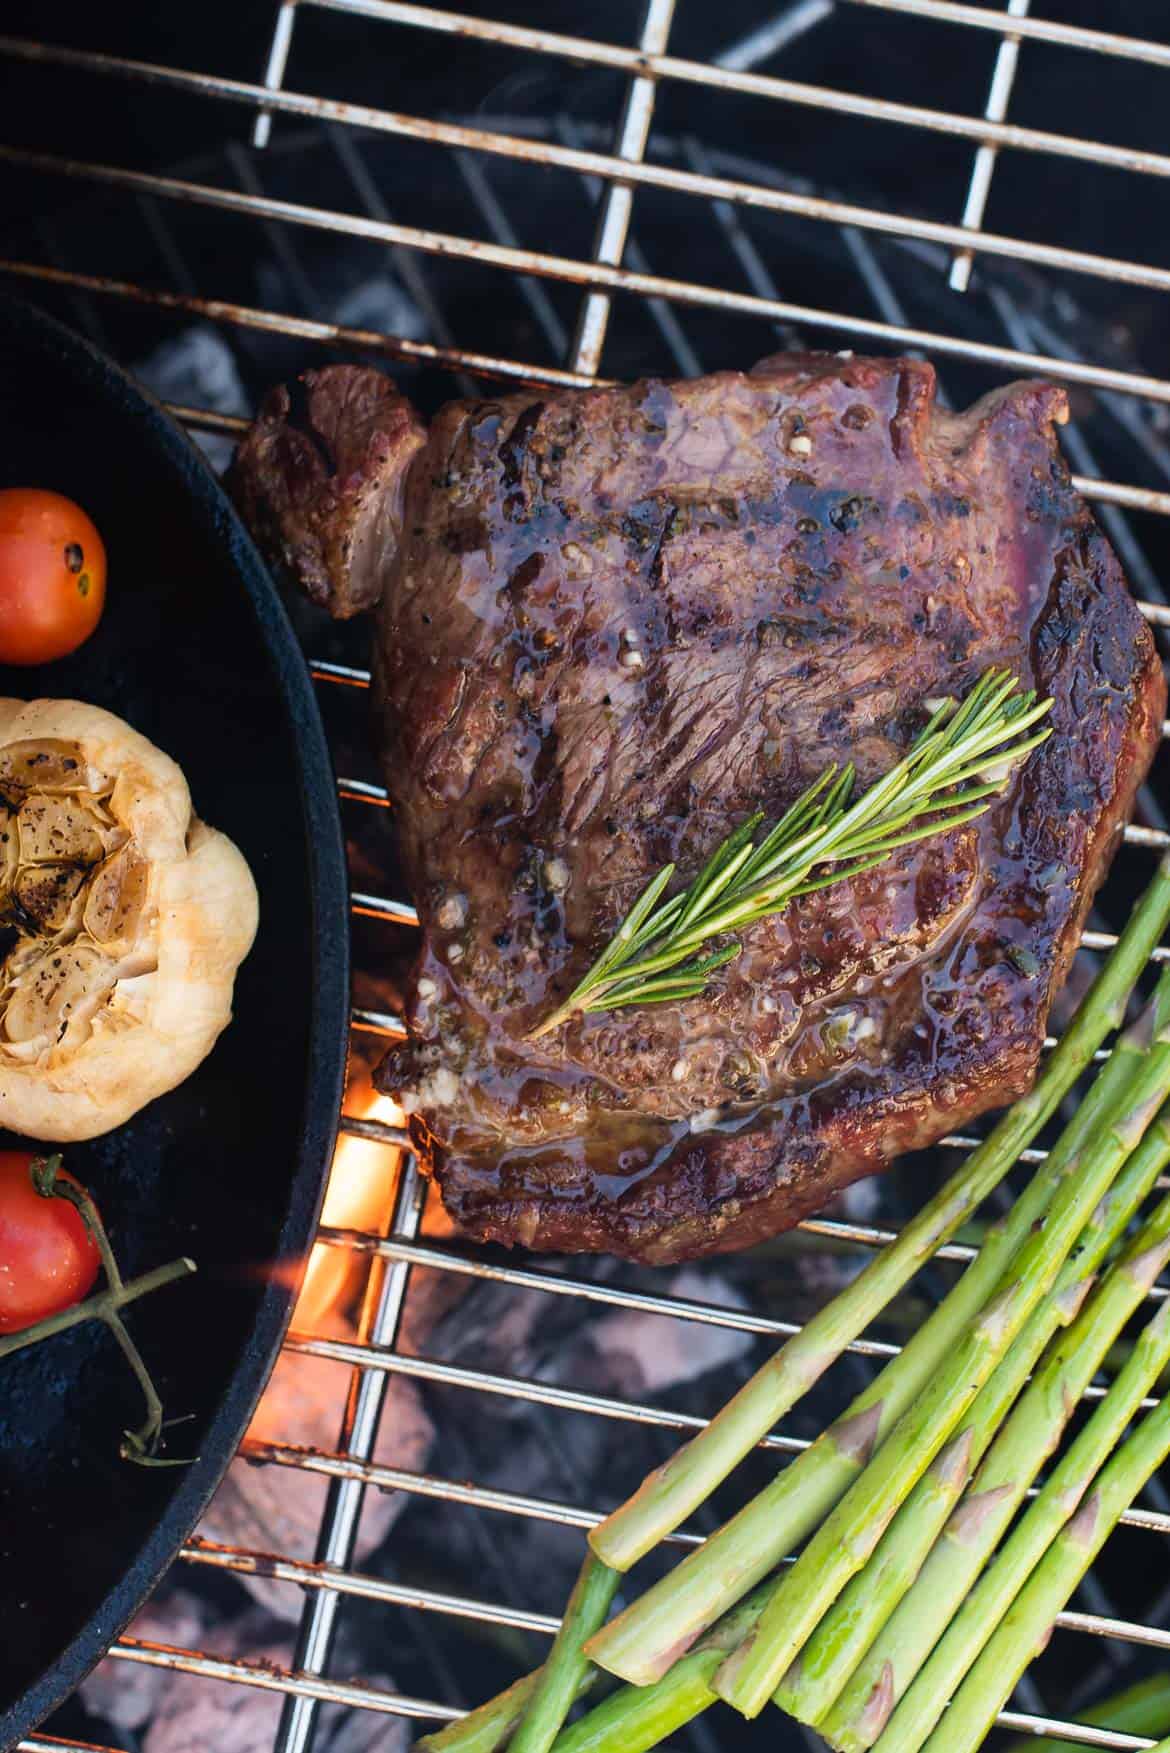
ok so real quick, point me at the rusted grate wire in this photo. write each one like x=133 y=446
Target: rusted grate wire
x=615 y=168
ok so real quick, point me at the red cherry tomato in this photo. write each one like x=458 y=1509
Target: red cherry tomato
x=48 y=1259
x=52 y=576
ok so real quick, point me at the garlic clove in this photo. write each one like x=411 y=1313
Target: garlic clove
x=58 y=830
x=61 y=987
x=9 y=846
x=117 y=897
x=46 y=764
x=51 y=897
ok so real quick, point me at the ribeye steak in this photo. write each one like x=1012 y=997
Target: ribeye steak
x=613 y=622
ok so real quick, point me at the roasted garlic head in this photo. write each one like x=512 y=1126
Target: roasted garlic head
x=123 y=919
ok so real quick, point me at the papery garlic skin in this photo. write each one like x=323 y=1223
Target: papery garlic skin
x=123 y=920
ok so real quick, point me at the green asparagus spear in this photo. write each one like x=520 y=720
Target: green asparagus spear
x=849 y=1534
x=638 y=1717
x=1023 y=1631
x=669 y=1495
x=565 y=1667
x=999 y=1487
x=639 y=1644
x=849 y=1628
x=486 y=1729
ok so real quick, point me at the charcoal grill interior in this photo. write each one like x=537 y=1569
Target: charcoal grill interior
x=560 y=194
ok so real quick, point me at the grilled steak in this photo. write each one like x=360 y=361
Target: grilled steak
x=616 y=622
x=319 y=478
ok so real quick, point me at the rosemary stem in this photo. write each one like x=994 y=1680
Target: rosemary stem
x=822 y=830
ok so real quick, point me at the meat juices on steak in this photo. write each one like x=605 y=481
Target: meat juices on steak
x=618 y=621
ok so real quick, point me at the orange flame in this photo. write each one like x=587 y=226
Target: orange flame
x=361 y=1186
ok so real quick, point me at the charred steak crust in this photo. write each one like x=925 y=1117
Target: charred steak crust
x=319 y=480
x=620 y=619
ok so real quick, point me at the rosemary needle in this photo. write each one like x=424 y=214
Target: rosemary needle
x=963 y=757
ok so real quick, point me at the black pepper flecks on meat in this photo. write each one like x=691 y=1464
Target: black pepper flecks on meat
x=851 y=511
x=715 y=631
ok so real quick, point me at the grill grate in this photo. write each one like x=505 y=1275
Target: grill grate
x=654 y=150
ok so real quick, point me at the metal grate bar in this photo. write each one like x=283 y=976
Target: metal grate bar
x=274 y=71
x=461 y=1491
x=323 y=671
x=207 y=419
x=333 y=1578
x=1043 y=30
x=1125 y=1630
x=429 y=1369
x=289 y=1682
x=378 y=907
x=456 y=359
x=589 y=274
x=376 y=1022
x=339 y=1525
x=966 y=238
x=589 y=52
x=998 y=98
x=314 y=1576
x=767 y=39
x=464 y=1491
x=1107 y=940
x=48 y=1744
x=617 y=203
x=587 y=1290
x=566 y=1399
x=377 y=1132
x=302 y=328
x=1029 y=1724
x=293 y=1684
x=361 y=791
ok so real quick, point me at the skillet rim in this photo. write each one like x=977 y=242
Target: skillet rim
x=329 y=1002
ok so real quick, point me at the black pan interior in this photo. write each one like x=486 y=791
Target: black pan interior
x=195 y=651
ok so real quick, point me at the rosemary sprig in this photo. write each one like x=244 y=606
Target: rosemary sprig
x=963 y=757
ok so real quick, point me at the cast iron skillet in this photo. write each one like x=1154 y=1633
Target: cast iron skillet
x=195 y=651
